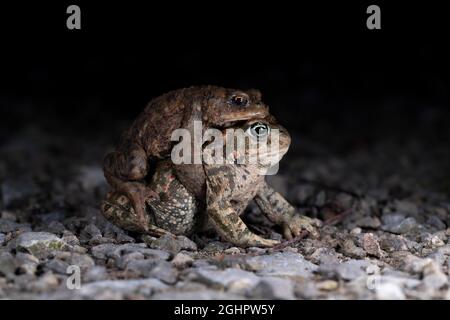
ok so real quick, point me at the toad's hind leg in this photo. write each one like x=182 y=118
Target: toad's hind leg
x=118 y=209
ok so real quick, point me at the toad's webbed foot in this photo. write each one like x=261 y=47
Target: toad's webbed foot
x=295 y=224
x=281 y=212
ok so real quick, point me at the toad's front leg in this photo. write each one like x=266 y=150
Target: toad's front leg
x=281 y=212
x=225 y=218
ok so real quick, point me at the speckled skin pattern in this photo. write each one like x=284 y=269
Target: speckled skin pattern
x=176 y=210
x=128 y=167
x=229 y=189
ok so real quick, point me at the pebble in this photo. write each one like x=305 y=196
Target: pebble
x=225 y=279
x=368 y=222
x=40 y=244
x=436 y=222
x=167 y=243
x=26 y=263
x=349 y=248
x=389 y=291
x=120 y=289
x=282 y=264
x=96 y=273
x=433 y=276
x=274 y=289
x=408 y=262
x=182 y=260
x=348 y=270
x=115 y=251
x=7 y=264
x=328 y=285
x=371 y=245
x=163 y=271
x=45 y=282
x=403 y=227
x=7 y=226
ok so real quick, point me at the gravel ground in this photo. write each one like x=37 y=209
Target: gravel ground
x=385 y=207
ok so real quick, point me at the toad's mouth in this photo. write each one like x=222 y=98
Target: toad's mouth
x=231 y=119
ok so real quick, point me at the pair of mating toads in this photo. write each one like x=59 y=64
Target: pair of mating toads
x=155 y=196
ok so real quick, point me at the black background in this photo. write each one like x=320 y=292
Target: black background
x=319 y=68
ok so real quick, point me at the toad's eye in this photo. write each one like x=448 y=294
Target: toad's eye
x=239 y=100
x=259 y=130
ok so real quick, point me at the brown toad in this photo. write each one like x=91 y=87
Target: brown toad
x=149 y=137
x=230 y=186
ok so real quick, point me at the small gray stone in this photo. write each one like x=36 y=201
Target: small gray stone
x=186 y=243
x=2 y=239
x=96 y=273
x=391 y=219
x=40 y=244
x=164 y=271
x=352 y=269
x=236 y=278
x=109 y=250
x=91 y=232
x=182 y=260
x=349 y=249
x=389 y=291
x=70 y=238
x=440 y=256
x=167 y=243
x=161 y=270
x=123 y=261
x=55 y=227
x=437 y=223
x=7 y=264
x=432 y=241
x=196 y=295
x=274 y=288
x=403 y=227
x=57 y=266
x=85 y=262
x=408 y=262
x=7 y=226
x=283 y=264
x=433 y=276
x=390 y=243
x=120 y=289
x=26 y=263
x=371 y=245
x=324 y=255
x=368 y=222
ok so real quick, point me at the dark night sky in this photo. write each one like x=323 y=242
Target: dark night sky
x=312 y=63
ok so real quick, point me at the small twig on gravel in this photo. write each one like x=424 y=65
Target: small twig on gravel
x=287 y=243
x=337 y=218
